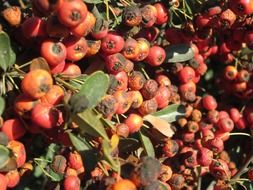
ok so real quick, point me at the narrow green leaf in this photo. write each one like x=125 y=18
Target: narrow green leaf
x=79 y=144
x=2 y=105
x=7 y=55
x=171 y=113
x=179 y=53
x=107 y=151
x=93 y=1
x=146 y=143
x=89 y=155
x=95 y=87
x=128 y=145
x=89 y=122
x=4 y=156
x=56 y=177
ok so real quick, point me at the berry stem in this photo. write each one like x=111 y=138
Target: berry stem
x=240 y=134
x=245 y=168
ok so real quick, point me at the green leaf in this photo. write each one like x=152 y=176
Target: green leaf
x=7 y=55
x=171 y=113
x=107 y=151
x=93 y=1
x=89 y=122
x=128 y=145
x=4 y=156
x=89 y=155
x=55 y=176
x=79 y=144
x=146 y=143
x=179 y=53
x=95 y=87
x=2 y=105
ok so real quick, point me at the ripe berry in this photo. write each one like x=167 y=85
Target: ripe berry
x=204 y=156
x=156 y=56
x=226 y=125
x=3 y=182
x=230 y=72
x=234 y=114
x=72 y=12
x=219 y=169
x=13 y=129
x=71 y=183
x=134 y=122
x=209 y=102
x=170 y=148
x=215 y=144
x=241 y=7
x=186 y=74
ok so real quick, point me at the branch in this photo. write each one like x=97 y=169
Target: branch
x=244 y=168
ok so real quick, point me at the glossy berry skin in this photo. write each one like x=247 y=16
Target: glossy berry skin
x=122 y=80
x=241 y=123
x=72 y=12
x=219 y=169
x=36 y=83
x=14 y=129
x=241 y=7
x=134 y=122
x=226 y=125
x=71 y=183
x=46 y=116
x=112 y=43
x=33 y=27
x=54 y=96
x=162 y=14
x=75 y=160
x=234 y=114
x=209 y=102
x=156 y=56
x=204 y=156
x=230 y=72
x=123 y=184
x=3 y=182
x=76 y=48
x=162 y=97
x=13 y=178
x=216 y=145
x=186 y=74
x=71 y=70
x=54 y=52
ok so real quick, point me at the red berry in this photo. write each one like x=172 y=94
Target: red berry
x=209 y=102
x=186 y=74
